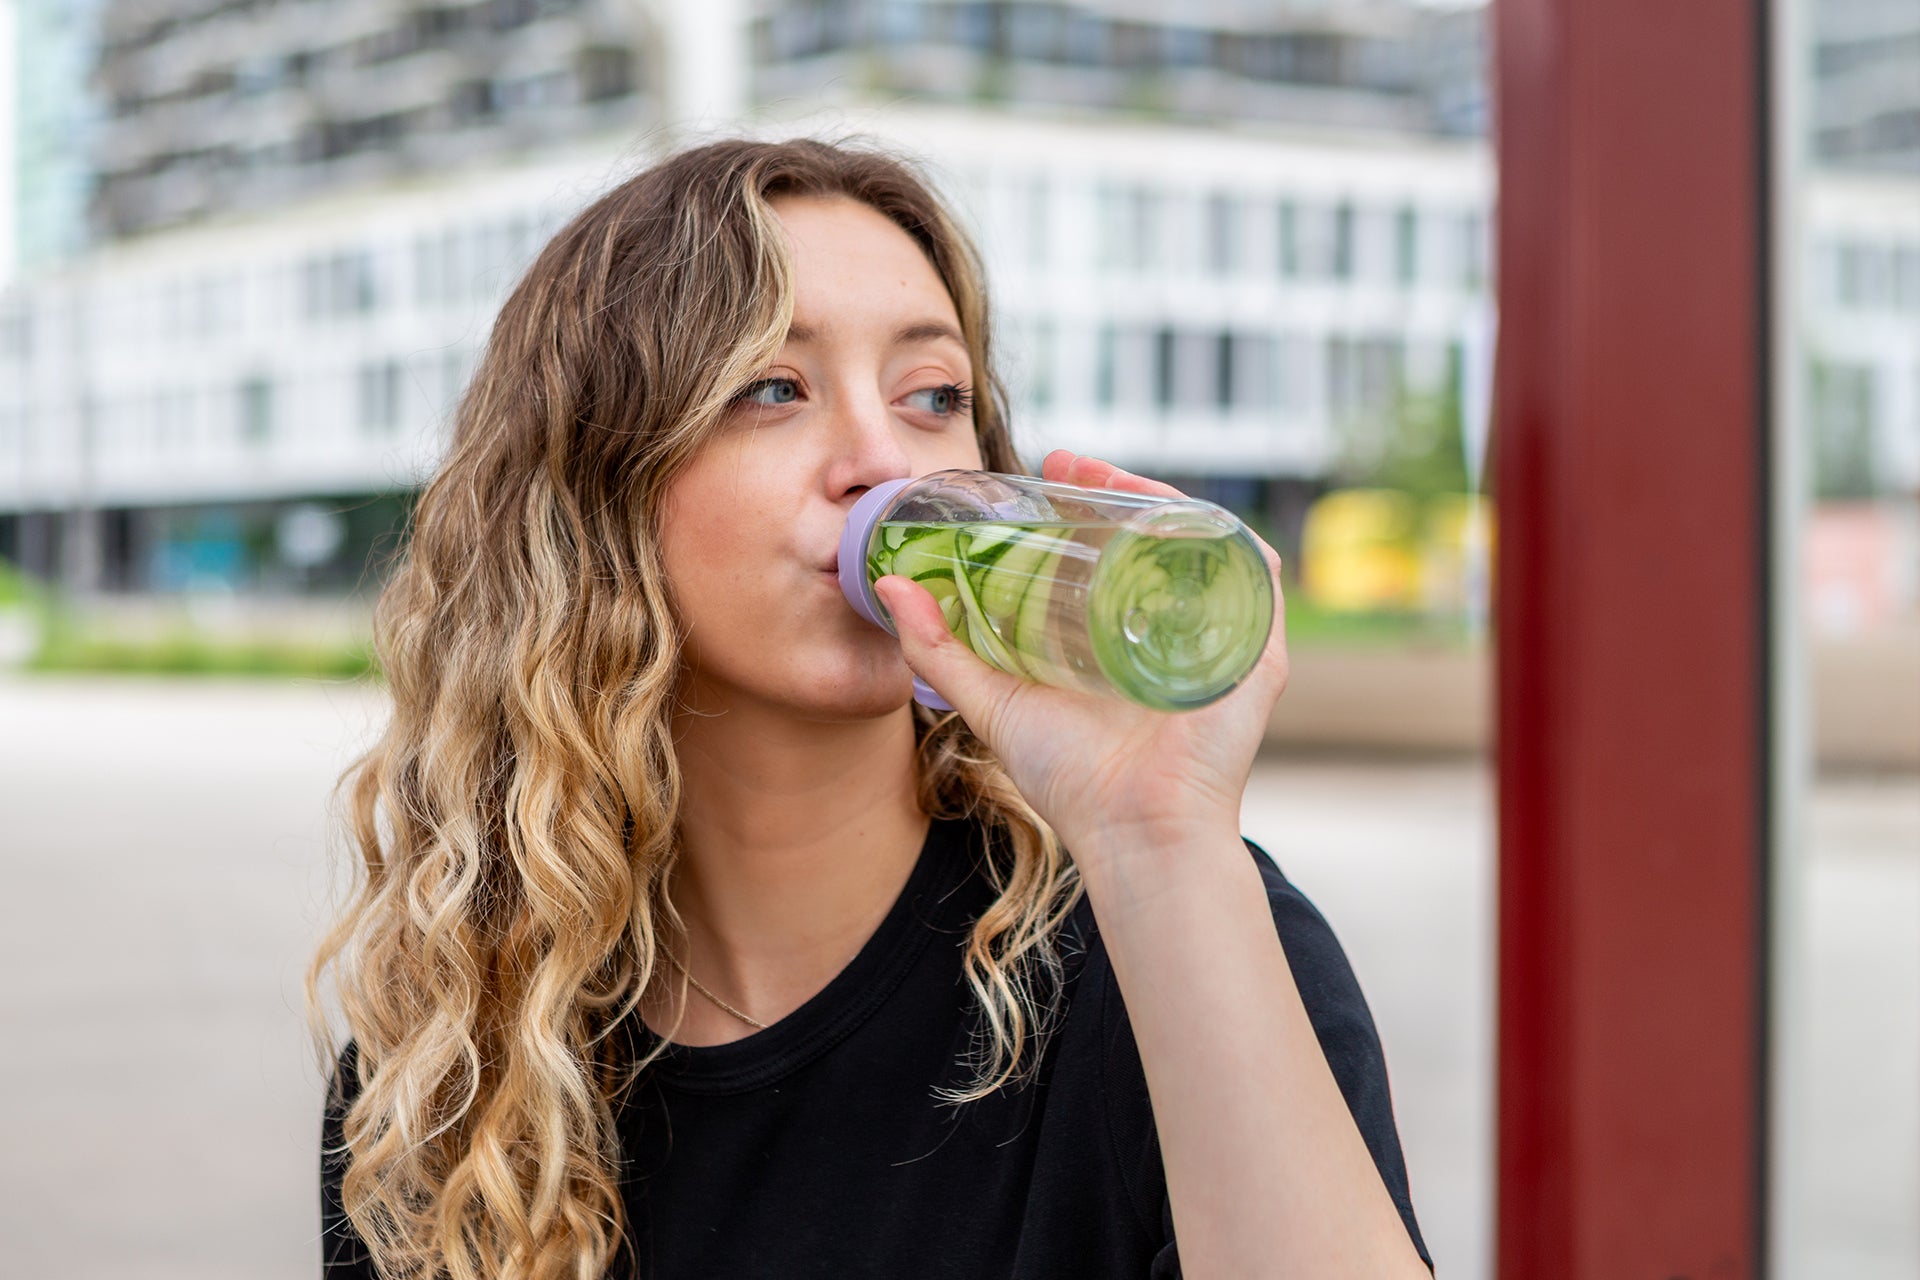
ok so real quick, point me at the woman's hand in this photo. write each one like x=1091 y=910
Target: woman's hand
x=1105 y=773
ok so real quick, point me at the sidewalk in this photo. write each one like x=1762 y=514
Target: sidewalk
x=1865 y=696
x=166 y=854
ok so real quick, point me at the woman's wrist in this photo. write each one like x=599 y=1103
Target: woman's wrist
x=1128 y=867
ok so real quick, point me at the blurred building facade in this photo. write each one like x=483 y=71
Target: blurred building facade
x=1866 y=106
x=1380 y=65
x=213 y=109
x=1227 y=248
x=55 y=117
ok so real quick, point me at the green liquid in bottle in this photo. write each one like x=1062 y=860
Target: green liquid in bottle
x=1172 y=621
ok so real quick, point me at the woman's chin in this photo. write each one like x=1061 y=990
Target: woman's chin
x=862 y=691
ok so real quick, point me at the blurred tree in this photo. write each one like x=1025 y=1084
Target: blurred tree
x=1417 y=446
x=1399 y=532
x=1841 y=422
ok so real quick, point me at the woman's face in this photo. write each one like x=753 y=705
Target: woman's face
x=873 y=384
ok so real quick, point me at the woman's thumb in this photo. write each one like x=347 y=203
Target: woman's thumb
x=938 y=657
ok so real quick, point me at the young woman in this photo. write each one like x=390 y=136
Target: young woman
x=684 y=943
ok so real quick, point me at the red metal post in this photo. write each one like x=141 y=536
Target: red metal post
x=1629 y=462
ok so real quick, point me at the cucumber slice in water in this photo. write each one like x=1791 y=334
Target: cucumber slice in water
x=1002 y=587
x=924 y=555
x=1030 y=632
x=981 y=637
x=982 y=538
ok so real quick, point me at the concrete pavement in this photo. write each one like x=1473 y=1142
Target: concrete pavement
x=165 y=851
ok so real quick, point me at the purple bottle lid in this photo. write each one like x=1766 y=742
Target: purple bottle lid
x=866 y=513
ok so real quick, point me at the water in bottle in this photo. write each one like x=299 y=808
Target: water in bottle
x=1166 y=602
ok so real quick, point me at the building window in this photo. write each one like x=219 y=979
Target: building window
x=472 y=102
x=900 y=21
x=360 y=292
x=1248 y=371
x=453 y=378
x=1843 y=419
x=426 y=271
x=1129 y=226
x=520 y=244
x=1223 y=234
x=505 y=15
x=173 y=419
x=379 y=396
x=1343 y=242
x=1104 y=343
x=1289 y=240
x=16 y=334
x=605 y=72
x=1040 y=348
x=1164 y=355
x=1474 y=252
x=1906 y=278
x=1127 y=371
x=1186 y=46
x=456 y=266
x=1143 y=228
x=313 y=288
x=338 y=285
x=974 y=26
x=1295 y=359
x=1851 y=262
x=1364 y=378
x=256 y=410
x=1034 y=32
x=1192 y=370
x=173 y=308
x=206 y=305
x=1406 y=245
x=1111 y=224
x=1039 y=237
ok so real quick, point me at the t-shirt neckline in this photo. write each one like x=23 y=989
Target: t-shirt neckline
x=927 y=903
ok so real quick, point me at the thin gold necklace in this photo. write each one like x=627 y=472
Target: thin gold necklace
x=757 y=1026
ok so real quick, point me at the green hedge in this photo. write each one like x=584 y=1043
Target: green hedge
x=188 y=654
x=16 y=588
x=1309 y=627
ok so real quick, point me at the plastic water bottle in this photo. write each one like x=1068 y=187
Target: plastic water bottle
x=1166 y=602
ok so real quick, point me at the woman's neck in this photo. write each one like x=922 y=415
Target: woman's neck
x=796 y=837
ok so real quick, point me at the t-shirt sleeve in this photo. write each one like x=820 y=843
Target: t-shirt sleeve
x=1341 y=1022
x=342 y=1254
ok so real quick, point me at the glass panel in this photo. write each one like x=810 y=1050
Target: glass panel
x=1848 y=1176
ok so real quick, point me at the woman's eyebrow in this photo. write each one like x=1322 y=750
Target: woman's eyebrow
x=927 y=331
x=917 y=331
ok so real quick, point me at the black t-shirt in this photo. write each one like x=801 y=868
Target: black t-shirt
x=815 y=1147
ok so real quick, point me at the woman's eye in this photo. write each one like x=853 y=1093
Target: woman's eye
x=946 y=400
x=771 y=392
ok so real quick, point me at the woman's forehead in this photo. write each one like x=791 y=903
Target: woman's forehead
x=856 y=271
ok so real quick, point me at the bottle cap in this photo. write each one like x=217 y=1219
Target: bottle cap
x=866 y=513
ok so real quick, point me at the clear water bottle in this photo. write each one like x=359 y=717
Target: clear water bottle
x=1166 y=602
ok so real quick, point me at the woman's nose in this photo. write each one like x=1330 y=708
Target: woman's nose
x=867 y=445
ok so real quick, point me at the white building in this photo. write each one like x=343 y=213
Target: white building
x=1183 y=300
x=1241 y=308
x=1861 y=333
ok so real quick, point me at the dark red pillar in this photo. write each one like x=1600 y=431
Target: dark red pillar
x=1630 y=469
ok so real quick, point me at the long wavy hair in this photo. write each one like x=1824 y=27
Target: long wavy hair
x=515 y=825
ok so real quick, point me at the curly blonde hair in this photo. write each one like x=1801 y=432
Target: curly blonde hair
x=515 y=824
